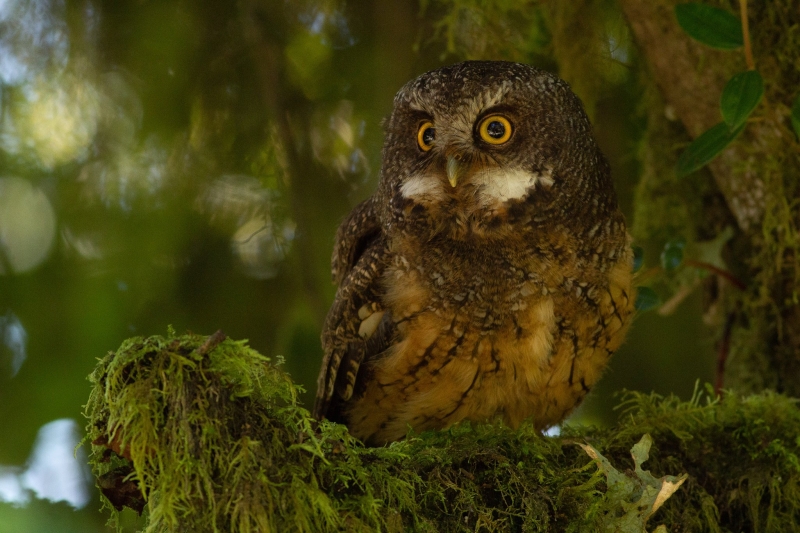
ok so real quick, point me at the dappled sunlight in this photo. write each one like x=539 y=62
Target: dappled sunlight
x=121 y=112
x=33 y=39
x=14 y=347
x=54 y=470
x=335 y=139
x=50 y=111
x=261 y=233
x=326 y=17
x=310 y=52
x=260 y=245
x=27 y=226
x=232 y=200
x=11 y=489
x=81 y=245
x=134 y=175
x=58 y=119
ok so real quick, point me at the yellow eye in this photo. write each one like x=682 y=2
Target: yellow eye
x=426 y=135
x=495 y=129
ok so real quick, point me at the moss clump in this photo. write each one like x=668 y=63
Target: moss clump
x=208 y=435
x=741 y=454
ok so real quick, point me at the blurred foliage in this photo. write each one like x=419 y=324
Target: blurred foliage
x=188 y=163
x=213 y=435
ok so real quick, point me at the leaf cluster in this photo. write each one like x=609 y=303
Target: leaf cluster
x=722 y=30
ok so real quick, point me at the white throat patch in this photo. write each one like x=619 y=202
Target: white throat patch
x=493 y=186
x=497 y=185
x=423 y=187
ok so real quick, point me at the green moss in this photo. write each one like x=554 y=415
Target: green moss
x=212 y=434
x=770 y=306
x=741 y=454
x=663 y=204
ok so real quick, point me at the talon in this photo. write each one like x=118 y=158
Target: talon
x=369 y=324
x=365 y=311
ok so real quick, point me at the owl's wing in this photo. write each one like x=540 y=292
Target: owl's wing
x=356 y=328
x=360 y=229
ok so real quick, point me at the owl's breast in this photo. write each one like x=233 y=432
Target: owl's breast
x=507 y=345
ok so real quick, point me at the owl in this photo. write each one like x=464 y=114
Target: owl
x=489 y=275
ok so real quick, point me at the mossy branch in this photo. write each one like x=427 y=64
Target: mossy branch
x=207 y=435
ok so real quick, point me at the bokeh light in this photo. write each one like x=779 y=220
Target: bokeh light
x=14 y=339
x=54 y=471
x=58 y=118
x=27 y=226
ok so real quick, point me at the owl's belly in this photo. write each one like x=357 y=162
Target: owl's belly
x=538 y=359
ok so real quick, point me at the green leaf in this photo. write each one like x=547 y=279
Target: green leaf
x=740 y=97
x=672 y=254
x=638 y=258
x=706 y=147
x=796 y=116
x=646 y=299
x=710 y=25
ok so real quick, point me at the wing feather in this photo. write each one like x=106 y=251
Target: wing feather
x=357 y=264
x=355 y=234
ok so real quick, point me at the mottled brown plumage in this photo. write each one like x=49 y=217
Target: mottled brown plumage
x=490 y=274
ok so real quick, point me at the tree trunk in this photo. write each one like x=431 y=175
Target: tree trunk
x=757 y=176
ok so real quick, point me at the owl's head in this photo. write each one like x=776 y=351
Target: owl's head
x=479 y=148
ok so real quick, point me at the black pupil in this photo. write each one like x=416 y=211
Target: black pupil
x=496 y=129
x=428 y=136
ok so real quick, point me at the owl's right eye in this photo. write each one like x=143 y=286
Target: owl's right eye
x=426 y=135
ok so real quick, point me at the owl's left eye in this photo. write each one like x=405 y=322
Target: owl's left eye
x=495 y=129
x=426 y=135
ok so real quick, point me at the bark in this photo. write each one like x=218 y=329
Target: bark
x=756 y=175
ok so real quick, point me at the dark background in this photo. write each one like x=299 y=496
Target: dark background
x=186 y=163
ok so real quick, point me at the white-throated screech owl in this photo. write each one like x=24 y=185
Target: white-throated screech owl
x=490 y=273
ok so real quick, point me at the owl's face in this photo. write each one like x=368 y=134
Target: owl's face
x=473 y=147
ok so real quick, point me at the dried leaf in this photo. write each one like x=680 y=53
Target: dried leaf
x=633 y=498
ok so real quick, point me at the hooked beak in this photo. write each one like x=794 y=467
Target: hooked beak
x=454 y=170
